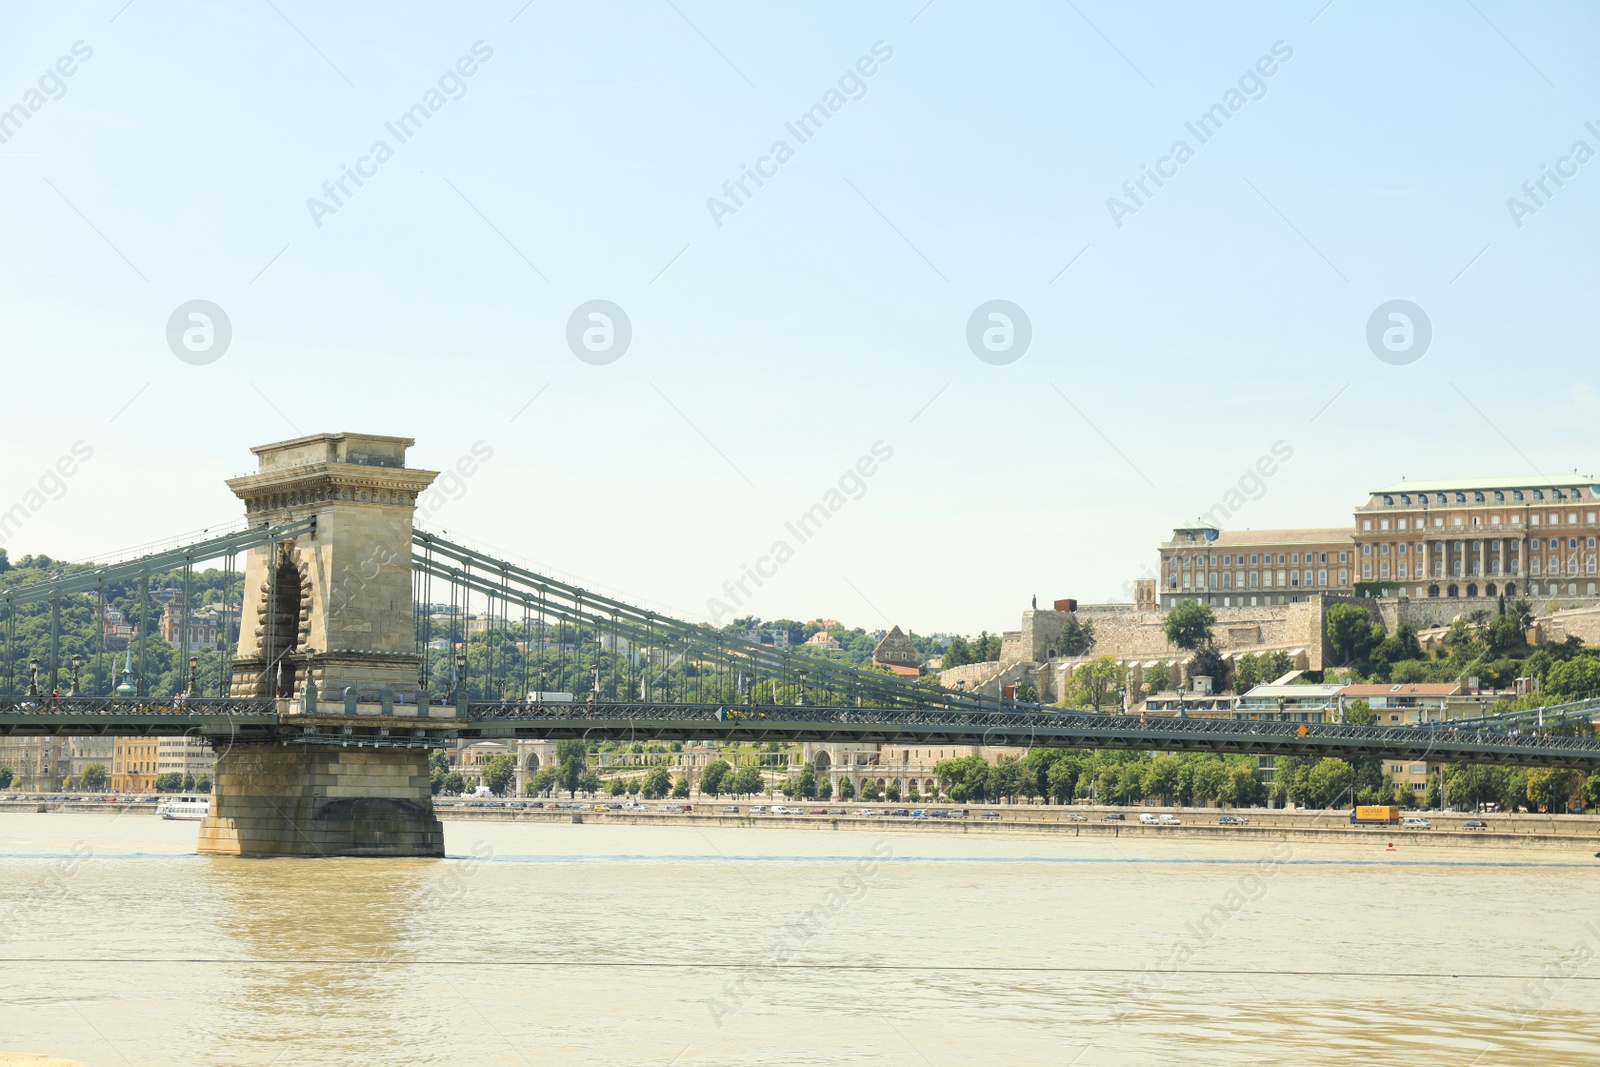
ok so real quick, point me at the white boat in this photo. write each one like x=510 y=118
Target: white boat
x=190 y=808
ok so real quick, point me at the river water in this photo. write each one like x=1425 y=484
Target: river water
x=594 y=944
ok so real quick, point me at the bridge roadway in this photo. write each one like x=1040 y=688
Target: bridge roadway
x=283 y=721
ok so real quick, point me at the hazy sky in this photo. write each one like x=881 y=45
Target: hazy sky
x=1175 y=338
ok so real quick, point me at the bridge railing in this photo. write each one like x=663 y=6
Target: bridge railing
x=89 y=707
x=1010 y=723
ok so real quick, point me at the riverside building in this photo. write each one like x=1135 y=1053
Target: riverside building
x=1422 y=539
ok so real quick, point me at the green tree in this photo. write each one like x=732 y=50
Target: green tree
x=1160 y=778
x=1352 y=633
x=1246 y=673
x=1094 y=683
x=171 y=782
x=93 y=779
x=1077 y=638
x=847 y=788
x=1189 y=624
x=806 y=786
x=589 y=783
x=499 y=771
x=1241 y=788
x=1553 y=789
x=824 y=790
x=892 y=794
x=454 y=783
x=634 y=785
x=545 y=781
x=680 y=788
x=870 y=791
x=1271 y=666
x=1329 y=782
x=656 y=783
x=1210 y=777
x=202 y=784
x=711 y=779
x=616 y=787
x=1158 y=678
x=959 y=654
x=1573 y=677
x=573 y=759
x=748 y=781
x=1207 y=662
x=1360 y=713
x=5 y=777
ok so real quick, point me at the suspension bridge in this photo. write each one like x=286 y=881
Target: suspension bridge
x=362 y=643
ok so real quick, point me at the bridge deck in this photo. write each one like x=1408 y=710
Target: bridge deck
x=245 y=720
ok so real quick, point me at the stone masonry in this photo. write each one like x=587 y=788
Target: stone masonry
x=270 y=800
x=327 y=615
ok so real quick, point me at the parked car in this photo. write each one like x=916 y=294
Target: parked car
x=817 y=811
x=1475 y=824
x=1230 y=820
x=919 y=814
x=1077 y=816
x=838 y=811
x=867 y=811
x=1148 y=818
x=1412 y=822
x=1116 y=816
x=758 y=810
x=1168 y=819
x=731 y=809
x=901 y=811
x=939 y=813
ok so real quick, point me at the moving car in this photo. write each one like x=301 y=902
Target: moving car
x=1230 y=820
x=1412 y=822
x=1169 y=820
x=731 y=809
x=991 y=815
x=1475 y=824
x=1077 y=816
x=1116 y=816
x=1148 y=818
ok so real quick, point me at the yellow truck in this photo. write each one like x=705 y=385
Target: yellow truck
x=1375 y=815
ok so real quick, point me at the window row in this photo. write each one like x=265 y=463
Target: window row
x=1480 y=496
x=1258 y=580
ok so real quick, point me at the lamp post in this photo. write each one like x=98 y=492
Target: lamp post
x=194 y=672
x=461 y=674
x=77 y=664
x=33 y=677
x=801 y=699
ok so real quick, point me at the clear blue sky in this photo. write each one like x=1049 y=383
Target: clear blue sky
x=829 y=311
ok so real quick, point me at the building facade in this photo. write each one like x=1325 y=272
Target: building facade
x=1250 y=567
x=135 y=762
x=1482 y=538
x=1424 y=539
x=38 y=764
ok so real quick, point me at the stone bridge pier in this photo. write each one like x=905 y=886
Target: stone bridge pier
x=327 y=627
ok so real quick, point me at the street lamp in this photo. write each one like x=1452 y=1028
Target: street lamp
x=77 y=663
x=801 y=699
x=194 y=671
x=33 y=677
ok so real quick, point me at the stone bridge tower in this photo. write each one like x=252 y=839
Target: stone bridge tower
x=332 y=608
x=339 y=599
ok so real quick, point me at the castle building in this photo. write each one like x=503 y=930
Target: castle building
x=1453 y=538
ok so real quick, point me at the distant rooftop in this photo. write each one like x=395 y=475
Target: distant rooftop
x=1457 y=485
x=1233 y=538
